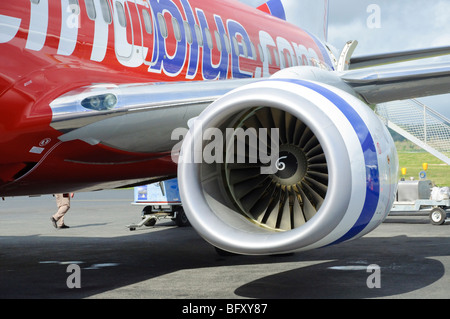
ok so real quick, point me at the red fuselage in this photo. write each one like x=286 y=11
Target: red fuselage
x=51 y=47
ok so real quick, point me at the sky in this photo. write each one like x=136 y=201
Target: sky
x=383 y=26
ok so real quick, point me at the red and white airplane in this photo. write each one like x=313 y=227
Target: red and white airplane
x=92 y=91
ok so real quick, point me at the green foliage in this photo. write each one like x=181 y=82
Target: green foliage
x=411 y=157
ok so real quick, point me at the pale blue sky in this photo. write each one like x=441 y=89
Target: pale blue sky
x=403 y=25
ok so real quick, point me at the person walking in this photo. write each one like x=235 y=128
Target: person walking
x=63 y=203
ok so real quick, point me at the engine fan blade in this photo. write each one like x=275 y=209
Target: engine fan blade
x=291 y=196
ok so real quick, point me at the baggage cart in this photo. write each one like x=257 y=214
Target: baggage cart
x=415 y=197
x=159 y=200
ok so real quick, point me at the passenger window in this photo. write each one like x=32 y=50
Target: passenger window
x=289 y=60
x=198 y=34
x=188 y=31
x=162 y=25
x=226 y=39
x=176 y=29
x=277 y=57
x=147 y=21
x=74 y=7
x=282 y=61
x=244 y=46
x=73 y=3
x=106 y=12
x=121 y=15
x=90 y=9
x=235 y=45
x=294 y=60
x=208 y=38
x=261 y=54
x=269 y=56
x=218 y=42
x=252 y=46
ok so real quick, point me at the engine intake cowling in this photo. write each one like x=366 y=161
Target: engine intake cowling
x=300 y=165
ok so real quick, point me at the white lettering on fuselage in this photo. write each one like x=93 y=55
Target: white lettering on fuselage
x=218 y=49
x=37 y=32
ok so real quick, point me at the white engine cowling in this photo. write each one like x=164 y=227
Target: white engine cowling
x=331 y=177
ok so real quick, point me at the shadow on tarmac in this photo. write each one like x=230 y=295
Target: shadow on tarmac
x=35 y=266
x=346 y=276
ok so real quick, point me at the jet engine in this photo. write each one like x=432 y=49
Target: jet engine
x=286 y=164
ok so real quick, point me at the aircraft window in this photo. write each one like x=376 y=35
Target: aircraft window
x=208 y=38
x=282 y=61
x=162 y=25
x=235 y=45
x=90 y=9
x=105 y=11
x=218 y=42
x=244 y=46
x=121 y=15
x=147 y=21
x=289 y=60
x=261 y=54
x=176 y=29
x=303 y=60
x=277 y=57
x=227 y=43
x=198 y=34
x=269 y=56
x=252 y=46
x=294 y=60
x=73 y=3
x=188 y=31
x=74 y=7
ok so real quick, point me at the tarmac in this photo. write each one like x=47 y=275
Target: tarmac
x=98 y=257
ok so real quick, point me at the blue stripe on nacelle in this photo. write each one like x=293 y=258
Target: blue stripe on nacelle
x=369 y=151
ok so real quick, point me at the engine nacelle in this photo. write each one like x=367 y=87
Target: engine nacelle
x=302 y=165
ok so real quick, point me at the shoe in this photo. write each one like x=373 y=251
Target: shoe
x=63 y=226
x=54 y=222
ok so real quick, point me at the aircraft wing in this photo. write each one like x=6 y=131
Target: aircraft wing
x=394 y=57
x=385 y=77
x=383 y=84
x=72 y=113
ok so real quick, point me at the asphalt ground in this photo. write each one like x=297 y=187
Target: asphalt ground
x=406 y=257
